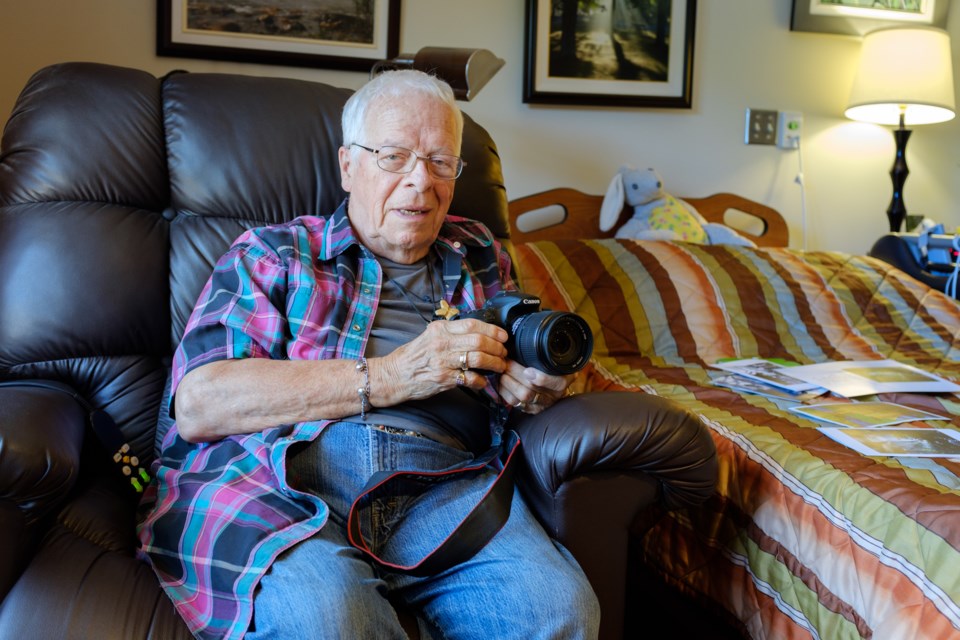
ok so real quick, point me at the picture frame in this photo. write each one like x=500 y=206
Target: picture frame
x=639 y=55
x=258 y=31
x=858 y=17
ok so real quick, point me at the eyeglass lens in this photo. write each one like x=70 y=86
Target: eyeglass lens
x=400 y=160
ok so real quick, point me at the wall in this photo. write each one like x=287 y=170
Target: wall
x=745 y=56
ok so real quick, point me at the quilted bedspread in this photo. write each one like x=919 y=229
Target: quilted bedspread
x=805 y=538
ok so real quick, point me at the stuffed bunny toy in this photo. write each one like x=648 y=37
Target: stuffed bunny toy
x=657 y=215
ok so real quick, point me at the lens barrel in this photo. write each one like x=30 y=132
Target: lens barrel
x=555 y=342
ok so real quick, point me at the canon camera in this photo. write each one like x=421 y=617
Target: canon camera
x=554 y=342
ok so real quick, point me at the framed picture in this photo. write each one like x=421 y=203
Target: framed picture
x=335 y=34
x=624 y=53
x=857 y=17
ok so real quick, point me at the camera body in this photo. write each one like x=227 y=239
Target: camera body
x=555 y=342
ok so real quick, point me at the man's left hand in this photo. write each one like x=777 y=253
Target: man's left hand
x=530 y=389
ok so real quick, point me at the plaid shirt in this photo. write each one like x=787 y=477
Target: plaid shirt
x=221 y=512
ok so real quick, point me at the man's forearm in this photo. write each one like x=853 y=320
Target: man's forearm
x=231 y=397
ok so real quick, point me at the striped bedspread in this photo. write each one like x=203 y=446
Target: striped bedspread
x=805 y=538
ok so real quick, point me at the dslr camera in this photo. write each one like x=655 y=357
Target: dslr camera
x=554 y=342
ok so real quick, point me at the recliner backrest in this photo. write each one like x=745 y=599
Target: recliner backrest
x=119 y=191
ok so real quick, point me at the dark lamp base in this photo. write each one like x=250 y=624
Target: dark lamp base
x=897 y=210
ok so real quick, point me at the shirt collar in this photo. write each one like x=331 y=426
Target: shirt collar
x=338 y=235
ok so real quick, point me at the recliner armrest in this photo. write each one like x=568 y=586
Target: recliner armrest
x=622 y=432
x=41 y=435
x=598 y=464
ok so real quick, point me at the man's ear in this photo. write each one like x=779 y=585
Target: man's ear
x=346 y=167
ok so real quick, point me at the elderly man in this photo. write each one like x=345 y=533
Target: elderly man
x=312 y=363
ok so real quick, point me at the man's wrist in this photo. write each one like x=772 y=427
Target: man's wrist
x=363 y=391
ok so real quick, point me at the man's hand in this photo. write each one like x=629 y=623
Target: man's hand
x=530 y=389
x=447 y=354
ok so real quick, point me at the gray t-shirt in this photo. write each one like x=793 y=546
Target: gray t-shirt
x=407 y=302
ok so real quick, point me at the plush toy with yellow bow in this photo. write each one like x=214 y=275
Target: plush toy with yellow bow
x=657 y=215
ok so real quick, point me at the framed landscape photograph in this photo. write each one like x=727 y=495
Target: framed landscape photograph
x=630 y=53
x=857 y=17
x=336 y=34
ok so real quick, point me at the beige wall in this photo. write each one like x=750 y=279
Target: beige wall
x=745 y=56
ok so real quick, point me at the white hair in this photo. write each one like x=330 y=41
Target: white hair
x=398 y=85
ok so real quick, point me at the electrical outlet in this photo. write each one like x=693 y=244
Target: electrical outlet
x=789 y=126
x=761 y=127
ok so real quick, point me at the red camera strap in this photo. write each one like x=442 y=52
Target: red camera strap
x=471 y=534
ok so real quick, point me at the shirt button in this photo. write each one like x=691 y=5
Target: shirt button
x=367 y=290
x=457 y=245
x=357 y=327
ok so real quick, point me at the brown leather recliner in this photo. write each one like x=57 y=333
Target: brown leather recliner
x=118 y=191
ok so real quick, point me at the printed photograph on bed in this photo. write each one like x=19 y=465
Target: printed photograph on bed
x=771 y=372
x=755 y=387
x=898 y=441
x=864 y=414
x=851 y=378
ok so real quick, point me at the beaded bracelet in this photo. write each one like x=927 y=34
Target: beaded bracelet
x=364 y=391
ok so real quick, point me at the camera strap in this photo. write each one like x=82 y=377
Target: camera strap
x=474 y=530
x=483 y=521
x=452 y=265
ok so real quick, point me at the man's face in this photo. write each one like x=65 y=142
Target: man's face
x=398 y=216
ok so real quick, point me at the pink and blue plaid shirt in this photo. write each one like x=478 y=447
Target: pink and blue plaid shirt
x=221 y=512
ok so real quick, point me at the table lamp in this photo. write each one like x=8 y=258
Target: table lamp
x=465 y=70
x=905 y=78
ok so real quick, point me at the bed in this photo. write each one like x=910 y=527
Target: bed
x=804 y=538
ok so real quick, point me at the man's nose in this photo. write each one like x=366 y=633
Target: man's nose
x=420 y=174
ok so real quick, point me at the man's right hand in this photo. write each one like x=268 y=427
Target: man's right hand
x=445 y=354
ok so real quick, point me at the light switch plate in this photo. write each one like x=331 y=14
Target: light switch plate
x=761 y=127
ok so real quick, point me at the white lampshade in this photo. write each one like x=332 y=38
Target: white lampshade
x=903 y=70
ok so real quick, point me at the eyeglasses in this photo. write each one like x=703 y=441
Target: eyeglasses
x=400 y=160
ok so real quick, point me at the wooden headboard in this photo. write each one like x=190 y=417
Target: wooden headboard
x=573 y=214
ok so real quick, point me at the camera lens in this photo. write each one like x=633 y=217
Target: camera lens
x=553 y=341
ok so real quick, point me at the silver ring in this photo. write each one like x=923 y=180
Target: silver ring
x=461 y=378
x=463 y=361
x=536 y=399
x=520 y=405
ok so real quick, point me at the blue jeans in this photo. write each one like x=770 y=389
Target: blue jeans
x=520 y=585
